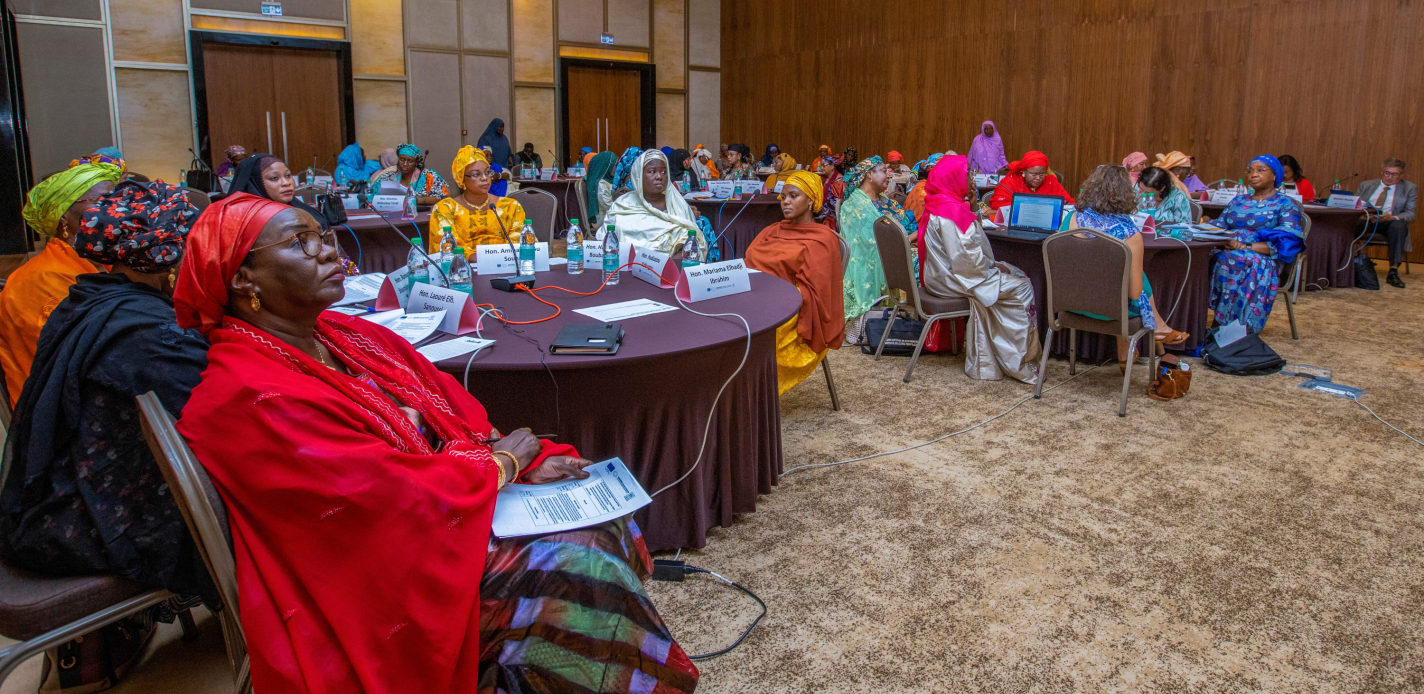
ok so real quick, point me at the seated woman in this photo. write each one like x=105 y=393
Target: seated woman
x=1303 y=186
x=598 y=190
x=1194 y=184
x=832 y=190
x=808 y=255
x=388 y=159
x=1134 y=163
x=785 y=166
x=681 y=163
x=84 y=495
x=360 y=482
x=499 y=177
x=410 y=172
x=1168 y=195
x=768 y=160
x=1107 y=205
x=1265 y=229
x=1028 y=175
x=653 y=215
x=706 y=164
x=864 y=281
x=268 y=177
x=235 y=154
x=477 y=216
x=915 y=199
x=352 y=166
x=1180 y=166
x=54 y=209
x=956 y=261
x=739 y=164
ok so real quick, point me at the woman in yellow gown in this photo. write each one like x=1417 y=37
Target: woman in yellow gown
x=476 y=217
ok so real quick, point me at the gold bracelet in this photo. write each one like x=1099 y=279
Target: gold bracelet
x=504 y=477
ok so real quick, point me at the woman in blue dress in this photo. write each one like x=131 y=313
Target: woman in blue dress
x=1266 y=230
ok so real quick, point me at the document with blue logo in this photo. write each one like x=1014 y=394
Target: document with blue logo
x=609 y=492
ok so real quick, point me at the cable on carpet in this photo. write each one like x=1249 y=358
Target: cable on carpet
x=706 y=656
x=1386 y=423
x=926 y=443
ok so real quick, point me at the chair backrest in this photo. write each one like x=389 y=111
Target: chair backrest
x=845 y=254
x=988 y=194
x=540 y=207
x=581 y=193
x=895 y=258
x=1196 y=211
x=1088 y=271
x=898 y=198
x=199 y=199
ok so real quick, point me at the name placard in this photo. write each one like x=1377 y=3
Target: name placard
x=460 y=313
x=779 y=186
x=575 y=172
x=388 y=203
x=652 y=266
x=714 y=280
x=1223 y=196
x=351 y=201
x=547 y=174
x=1345 y=202
x=722 y=190
x=322 y=181
x=395 y=290
x=500 y=260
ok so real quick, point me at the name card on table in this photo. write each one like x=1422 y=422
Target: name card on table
x=1145 y=223
x=653 y=267
x=460 y=314
x=388 y=203
x=547 y=174
x=1345 y=202
x=593 y=253
x=1223 y=196
x=575 y=172
x=779 y=186
x=351 y=201
x=714 y=280
x=722 y=190
x=500 y=259
x=395 y=289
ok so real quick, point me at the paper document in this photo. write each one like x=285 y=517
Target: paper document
x=611 y=313
x=609 y=492
x=350 y=310
x=450 y=349
x=413 y=327
x=1230 y=333
x=392 y=188
x=362 y=288
x=1035 y=216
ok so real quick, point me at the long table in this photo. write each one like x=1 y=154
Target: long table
x=738 y=222
x=1175 y=269
x=1327 y=248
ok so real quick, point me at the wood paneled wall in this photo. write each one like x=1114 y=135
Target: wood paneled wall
x=1336 y=83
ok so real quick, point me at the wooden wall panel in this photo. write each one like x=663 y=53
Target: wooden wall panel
x=533 y=49
x=485 y=24
x=580 y=20
x=628 y=22
x=1333 y=82
x=154 y=112
x=704 y=33
x=432 y=24
x=671 y=121
x=376 y=44
x=149 y=31
x=380 y=115
x=670 y=43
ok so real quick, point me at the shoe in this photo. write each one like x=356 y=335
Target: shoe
x=1174 y=338
x=1393 y=279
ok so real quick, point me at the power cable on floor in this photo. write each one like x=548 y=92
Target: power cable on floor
x=1386 y=423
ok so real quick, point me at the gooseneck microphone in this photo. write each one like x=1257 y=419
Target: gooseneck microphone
x=404 y=238
x=507 y=284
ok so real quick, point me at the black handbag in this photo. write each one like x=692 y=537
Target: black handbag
x=331 y=207
x=1366 y=277
x=1248 y=356
x=903 y=337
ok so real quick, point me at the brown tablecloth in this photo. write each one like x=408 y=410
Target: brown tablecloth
x=1327 y=249
x=568 y=209
x=373 y=245
x=649 y=403
x=1166 y=263
x=738 y=222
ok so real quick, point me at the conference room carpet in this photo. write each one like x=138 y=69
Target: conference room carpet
x=1252 y=536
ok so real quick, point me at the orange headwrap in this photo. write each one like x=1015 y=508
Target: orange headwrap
x=217 y=245
x=1030 y=159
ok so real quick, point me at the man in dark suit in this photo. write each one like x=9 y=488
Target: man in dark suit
x=1395 y=198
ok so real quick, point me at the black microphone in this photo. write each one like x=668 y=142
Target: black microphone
x=396 y=229
x=508 y=284
x=553 y=158
x=1338 y=181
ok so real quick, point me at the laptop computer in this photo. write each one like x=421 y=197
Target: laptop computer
x=1034 y=217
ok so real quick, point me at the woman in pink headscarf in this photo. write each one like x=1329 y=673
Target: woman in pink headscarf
x=986 y=154
x=1135 y=163
x=956 y=262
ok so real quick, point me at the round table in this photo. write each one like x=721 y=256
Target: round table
x=1173 y=267
x=563 y=190
x=1327 y=249
x=648 y=404
x=738 y=222
x=373 y=245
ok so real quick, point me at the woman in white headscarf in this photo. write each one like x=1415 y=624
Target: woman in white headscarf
x=653 y=215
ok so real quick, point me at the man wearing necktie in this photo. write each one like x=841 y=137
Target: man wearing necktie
x=1395 y=198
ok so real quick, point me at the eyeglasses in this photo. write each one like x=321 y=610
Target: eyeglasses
x=312 y=242
x=478 y=175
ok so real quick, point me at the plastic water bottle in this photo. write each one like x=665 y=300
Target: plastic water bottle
x=459 y=272
x=684 y=183
x=447 y=247
x=1148 y=203
x=574 y=245
x=526 y=249
x=691 y=250
x=417 y=264
x=610 y=257
x=408 y=206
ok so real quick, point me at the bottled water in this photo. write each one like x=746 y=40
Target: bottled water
x=408 y=206
x=447 y=247
x=526 y=248
x=1148 y=203
x=574 y=242
x=684 y=183
x=460 y=271
x=691 y=250
x=610 y=256
x=417 y=264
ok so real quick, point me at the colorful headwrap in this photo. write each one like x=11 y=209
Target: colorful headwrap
x=856 y=176
x=1133 y=160
x=585 y=150
x=947 y=192
x=49 y=200
x=140 y=225
x=99 y=159
x=218 y=243
x=588 y=157
x=1171 y=160
x=625 y=166
x=924 y=166
x=1275 y=165
x=893 y=157
x=463 y=158
x=235 y=151
x=808 y=183
x=409 y=150
x=1030 y=159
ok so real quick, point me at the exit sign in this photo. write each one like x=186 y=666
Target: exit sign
x=272 y=9
x=605 y=38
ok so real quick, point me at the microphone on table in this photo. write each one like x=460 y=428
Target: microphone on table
x=553 y=158
x=404 y=238
x=1338 y=181
x=508 y=284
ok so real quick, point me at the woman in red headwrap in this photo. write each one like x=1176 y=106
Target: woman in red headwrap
x=360 y=492
x=1028 y=175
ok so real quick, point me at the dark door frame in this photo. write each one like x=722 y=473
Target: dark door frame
x=15 y=235
x=198 y=39
x=648 y=76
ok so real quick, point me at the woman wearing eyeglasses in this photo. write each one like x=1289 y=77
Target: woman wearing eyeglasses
x=476 y=216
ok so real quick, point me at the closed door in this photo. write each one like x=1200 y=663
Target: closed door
x=605 y=108
x=284 y=101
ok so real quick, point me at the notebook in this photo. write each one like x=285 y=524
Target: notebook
x=588 y=338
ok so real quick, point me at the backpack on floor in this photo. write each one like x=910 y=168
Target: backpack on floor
x=903 y=337
x=1248 y=356
x=1366 y=277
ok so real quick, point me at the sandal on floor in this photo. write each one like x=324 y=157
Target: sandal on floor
x=1176 y=337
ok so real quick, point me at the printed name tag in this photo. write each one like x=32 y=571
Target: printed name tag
x=548 y=174
x=714 y=280
x=388 y=203
x=722 y=190
x=779 y=186
x=1223 y=196
x=395 y=290
x=575 y=172
x=652 y=267
x=426 y=298
x=500 y=260
x=1345 y=202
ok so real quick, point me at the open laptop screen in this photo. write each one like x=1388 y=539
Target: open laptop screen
x=1036 y=211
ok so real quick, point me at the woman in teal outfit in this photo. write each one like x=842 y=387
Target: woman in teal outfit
x=864 y=281
x=1173 y=207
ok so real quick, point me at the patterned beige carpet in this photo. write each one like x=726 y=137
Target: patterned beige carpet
x=1252 y=536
